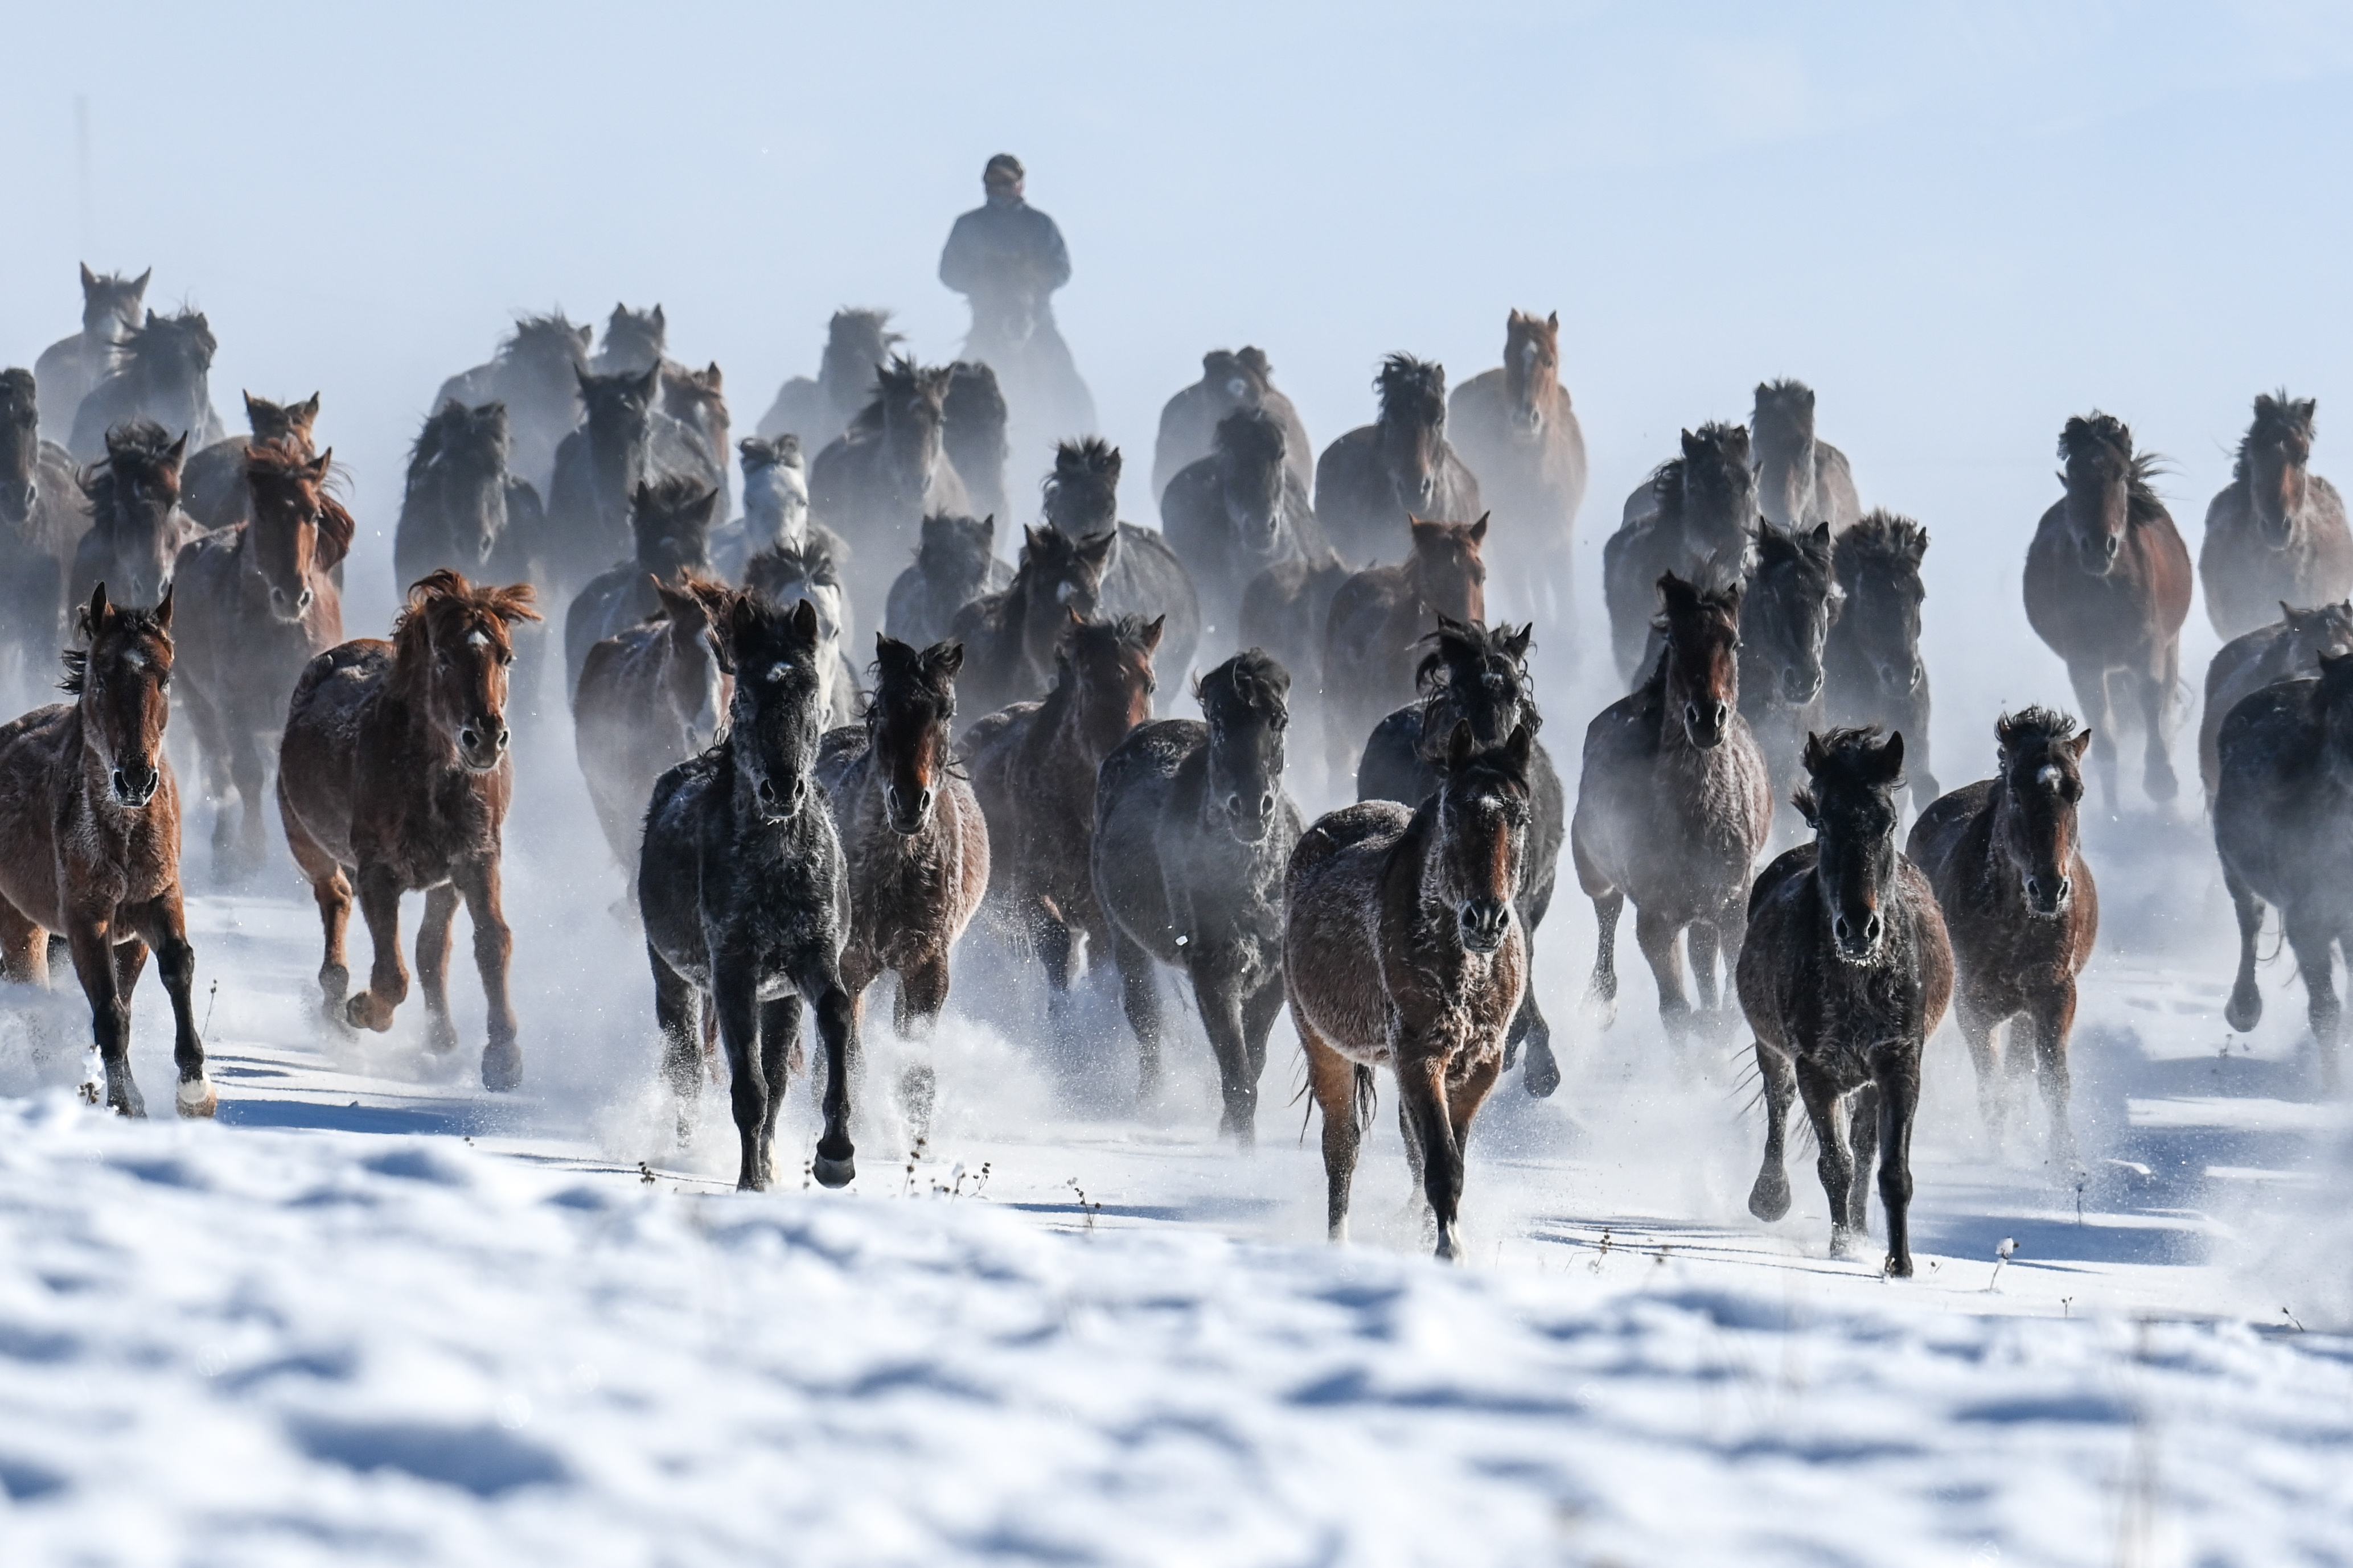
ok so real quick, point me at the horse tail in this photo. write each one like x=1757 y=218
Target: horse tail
x=1367 y=1098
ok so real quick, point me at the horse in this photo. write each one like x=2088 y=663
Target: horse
x=973 y=432
x=876 y=482
x=1193 y=830
x=599 y=469
x=136 y=527
x=43 y=516
x=1011 y=637
x=913 y=836
x=212 y=483
x=745 y=897
x=2107 y=588
x=671 y=524
x=775 y=503
x=1400 y=949
x=1789 y=608
x=784 y=573
x=1400 y=465
x=1142 y=575
x=89 y=843
x=2005 y=858
x=635 y=341
x=858 y=344
x=1284 y=610
x=1673 y=804
x=460 y=505
x=1845 y=973
x=258 y=602
x=162 y=371
x=394 y=776
x=1238 y=511
x=1231 y=379
x=1518 y=431
x=649 y=699
x=2284 y=827
x=695 y=439
x=1378 y=620
x=2276 y=534
x=1801 y=482
x=1700 y=523
x=1872 y=669
x=68 y=368
x=537 y=375
x=956 y=564
x=2287 y=649
x=1480 y=675
x=1033 y=768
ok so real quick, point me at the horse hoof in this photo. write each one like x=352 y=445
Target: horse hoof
x=2161 y=784
x=1841 y=1242
x=1769 y=1200
x=1543 y=1076
x=834 y=1172
x=195 y=1099
x=501 y=1067
x=1899 y=1264
x=2245 y=1009
x=362 y=1012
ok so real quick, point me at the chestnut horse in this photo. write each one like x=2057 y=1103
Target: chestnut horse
x=1518 y=431
x=394 y=777
x=2276 y=534
x=212 y=484
x=258 y=603
x=89 y=843
x=2107 y=587
x=1400 y=950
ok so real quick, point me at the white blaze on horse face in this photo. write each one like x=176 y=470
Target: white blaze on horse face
x=2050 y=777
x=477 y=638
x=777 y=671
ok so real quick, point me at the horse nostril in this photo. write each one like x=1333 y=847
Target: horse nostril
x=2034 y=889
x=1691 y=714
x=2066 y=885
x=302 y=600
x=1842 y=929
x=1723 y=715
x=1266 y=803
x=1872 y=926
x=467 y=738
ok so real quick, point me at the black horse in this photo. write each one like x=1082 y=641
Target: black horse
x=1695 y=517
x=669 y=524
x=956 y=564
x=1193 y=830
x=463 y=507
x=537 y=375
x=973 y=434
x=1478 y=676
x=1239 y=511
x=745 y=897
x=1872 y=669
x=1787 y=614
x=1142 y=575
x=1399 y=466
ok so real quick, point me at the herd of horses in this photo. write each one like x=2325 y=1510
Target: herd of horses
x=795 y=825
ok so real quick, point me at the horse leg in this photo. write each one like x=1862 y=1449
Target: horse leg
x=922 y=995
x=213 y=767
x=2245 y=1009
x=2051 y=1020
x=1701 y=939
x=735 y=993
x=2157 y=713
x=1422 y=1095
x=1608 y=903
x=2315 y=959
x=110 y=1010
x=837 y=1030
x=1139 y=998
x=379 y=894
x=249 y=771
x=24 y=948
x=1863 y=1137
x=165 y=925
x=1768 y=1199
x=674 y=1015
x=780 y=1031
x=1896 y=1069
x=1655 y=934
x=477 y=883
x=1332 y=1079
x=1977 y=1028
x=332 y=891
x=1834 y=1161
x=1260 y=1010
x=1543 y=1073
x=433 y=933
x=1464 y=1098
x=2091 y=683
x=1217 y=992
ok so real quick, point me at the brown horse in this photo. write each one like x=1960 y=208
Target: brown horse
x=90 y=842
x=1844 y=973
x=2107 y=587
x=1400 y=950
x=913 y=834
x=2007 y=863
x=1697 y=517
x=1674 y=807
x=1400 y=465
x=1374 y=632
x=212 y=485
x=136 y=526
x=649 y=699
x=2276 y=534
x=1033 y=770
x=394 y=777
x=1011 y=637
x=258 y=602
x=1518 y=431
x=2290 y=648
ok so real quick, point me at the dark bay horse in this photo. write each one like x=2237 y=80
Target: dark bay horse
x=212 y=482
x=43 y=516
x=536 y=373
x=1788 y=611
x=162 y=371
x=745 y=897
x=876 y=482
x=1674 y=807
x=599 y=468
x=1872 y=669
x=1518 y=431
x=649 y=699
x=1142 y=575
x=1236 y=512
x=1801 y=481
x=1698 y=521
x=1479 y=676
x=2287 y=649
x=2276 y=534
x=857 y=344
x=1193 y=831
x=461 y=506
x=972 y=431
x=956 y=564
x=1398 y=465
x=1231 y=379
x=1010 y=637
x=89 y=843
x=258 y=603
x=394 y=777
x=1845 y=973
x=2107 y=587
x=695 y=438
x=136 y=526
x=634 y=341
x=1373 y=633
x=2006 y=864
x=2284 y=825
x=1400 y=950
x=70 y=367
x=1033 y=768
x=670 y=530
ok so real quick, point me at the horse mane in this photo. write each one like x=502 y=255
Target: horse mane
x=1411 y=388
x=156 y=331
x=452 y=429
x=137 y=622
x=2278 y=419
x=1721 y=452
x=138 y=444
x=539 y=332
x=1881 y=535
x=274 y=464
x=16 y=394
x=1784 y=411
x=1467 y=645
x=1089 y=456
x=852 y=326
x=1250 y=682
x=1121 y=633
x=1797 y=548
x=2106 y=440
x=1722 y=599
x=899 y=376
x=784 y=565
x=2037 y=728
x=441 y=591
x=1843 y=755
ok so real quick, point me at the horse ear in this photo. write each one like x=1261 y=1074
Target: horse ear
x=1520 y=641
x=1553 y=322
x=712 y=378
x=2080 y=744
x=1692 y=446
x=1678 y=595
x=252 y=404
x=660 y=322
x=701 y=510
x=1887 y=762
x=1151 y=633
x=586 y=333
x=1815 y=756
x=1520 y=748
x=1479 y=529
x=1072 y=611
x=1032 y=538
x=88 y=278
x=306 y=412
x=988 y=528
x=891 y=654
x=179 y=448
x=1460 y=746
x=93 y=615
x=804 y=620
x=946 y=658
x=1821 y=534
x=320 y=464
x=139 y=284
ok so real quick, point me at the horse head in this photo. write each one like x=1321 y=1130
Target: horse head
x=1793 y=599
x=955 y=553
x=1447 y=569
x=452 y=649
x=461 y=455
x=910 y=413
x=1104 y=669
x=907 y=726
x=1082 y=492
x=1483 y=830
x=775 y=488
x=111 y=302
x=1057 y=577
x=776 y=717
x=670 y=521
x=1783 y=421
x=2104 y=480
x=1701 y=659
x=1878 y=562
x=634 y=340
x=1249 y=448
x=298 y=532
x=694 y=684
x=1477 y=675
x=2275 y=461
x=1412 y=429
x=858 y=344
x=1849 y=802
x=172 y=358
x=122 y=682
x=1709 y=493
x=134 y=495
x=290 y=422
x=1531 y=371
x=2042 y=781
x=1246 y=700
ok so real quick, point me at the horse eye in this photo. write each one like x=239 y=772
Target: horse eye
x=1150 y=686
